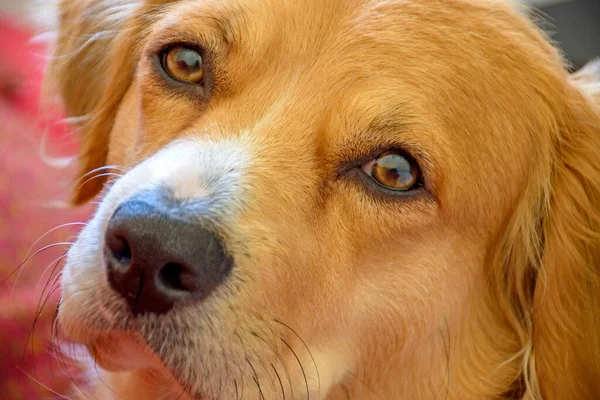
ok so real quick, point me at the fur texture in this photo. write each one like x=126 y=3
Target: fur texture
x=486 y=285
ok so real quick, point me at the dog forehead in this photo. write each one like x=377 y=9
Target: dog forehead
x=337 y=38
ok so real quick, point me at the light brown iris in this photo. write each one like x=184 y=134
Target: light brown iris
x=394 y=171
x=184 y=64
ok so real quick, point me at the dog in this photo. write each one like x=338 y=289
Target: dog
x=343 y=199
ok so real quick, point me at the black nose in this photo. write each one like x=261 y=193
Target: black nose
x=158 y=255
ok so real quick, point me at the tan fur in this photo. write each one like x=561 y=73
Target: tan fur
x=488 y=289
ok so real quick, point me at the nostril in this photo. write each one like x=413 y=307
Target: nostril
x=119 y=250
x=179 y=277
x=170 y=276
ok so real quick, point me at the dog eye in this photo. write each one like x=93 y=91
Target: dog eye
x=395 y=171
x=183 y=64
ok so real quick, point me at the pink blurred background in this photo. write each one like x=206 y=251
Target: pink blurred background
x=31 y=192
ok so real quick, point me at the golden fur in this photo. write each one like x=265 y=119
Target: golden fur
x=487 y=289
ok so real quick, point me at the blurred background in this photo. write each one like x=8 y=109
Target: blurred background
x=34 y=234
x=574 y=25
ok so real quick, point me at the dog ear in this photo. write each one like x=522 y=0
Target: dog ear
x=566 y=297
x=546 y=267
x=91 y=69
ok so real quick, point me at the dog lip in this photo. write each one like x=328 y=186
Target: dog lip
x=122 y=351
x=126 y=352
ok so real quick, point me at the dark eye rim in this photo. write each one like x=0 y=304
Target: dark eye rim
x=197 y=93
x=352 y=170
x=163 y=61
x=379 y=192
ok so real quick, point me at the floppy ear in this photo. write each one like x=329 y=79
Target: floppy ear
x=566 y=297
x=92 y=68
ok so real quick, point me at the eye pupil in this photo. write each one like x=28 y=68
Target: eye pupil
x=394 y=171
x=184 y=64
x=187 y=59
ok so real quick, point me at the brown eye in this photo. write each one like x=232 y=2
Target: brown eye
x=184 y=64
x=394 y=171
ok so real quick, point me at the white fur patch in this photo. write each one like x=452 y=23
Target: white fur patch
x=191 y=169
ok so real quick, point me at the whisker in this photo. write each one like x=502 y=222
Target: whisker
x=52 y=230
x=61 y=357
x=58 y=259
x=262 y=396
x=52 y=351
x=38 y=312
x=109 y=171
x=31 y=334
x=108 y=168
x=309 y=353
x=301 y=368
x=54 y=284
x=96 y=177
x=53 y=331
x=60 y=354
x=266 y=371
x=28 y=259
x=279 y=379
x=42 y=385
x=279 y=357
x=54 y=317
x=104 y=383
x=245 y=354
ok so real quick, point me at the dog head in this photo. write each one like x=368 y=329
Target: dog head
x=318 y=199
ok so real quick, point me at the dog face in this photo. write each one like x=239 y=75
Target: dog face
x=320 y=199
